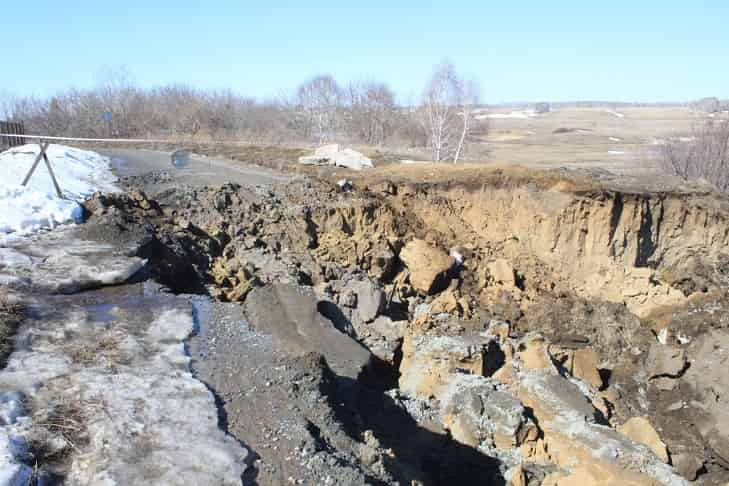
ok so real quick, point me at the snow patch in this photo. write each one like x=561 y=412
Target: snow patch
x=60 y=262
x=28 y=209
x=145 y=416
x=521 y=114
x=12 y=471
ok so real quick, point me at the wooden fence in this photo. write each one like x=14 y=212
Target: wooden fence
x=13 y=128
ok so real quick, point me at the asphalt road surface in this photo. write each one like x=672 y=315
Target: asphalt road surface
x=199 y=171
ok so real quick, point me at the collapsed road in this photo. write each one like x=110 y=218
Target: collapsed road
x=223 y=324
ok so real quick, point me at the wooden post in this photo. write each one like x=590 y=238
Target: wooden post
x=42 y=155
x=50 y=171
x=35 y=164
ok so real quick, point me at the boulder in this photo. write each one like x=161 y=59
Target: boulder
x=707 y=378
x=289 y=313
x=370 y=299
x=382 y=337
x=572 y=439
x=429 y=266
x=639 y=429
x=665 y=361
x=532 y=353
x=501 y=272
x=581 y=363
x=477 y=414
x=429 y=363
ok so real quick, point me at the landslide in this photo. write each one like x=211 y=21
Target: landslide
x=593 y=268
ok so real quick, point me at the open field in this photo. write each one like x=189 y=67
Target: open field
x=587 y=137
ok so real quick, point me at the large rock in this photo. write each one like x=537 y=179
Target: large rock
x=707 y=377
x=501 y=272
x=429 y=363
x=581 y=363
x=665 y=360
x=382 y=336
x=477 y=414
x=333 y=155
x=370 y=299
x=429 y=266
x=640 y=430
x=289 y=313
x=572 y=439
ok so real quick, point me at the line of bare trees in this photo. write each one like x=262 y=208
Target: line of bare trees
x=320 y=110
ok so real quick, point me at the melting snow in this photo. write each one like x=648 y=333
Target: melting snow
x=28 y=209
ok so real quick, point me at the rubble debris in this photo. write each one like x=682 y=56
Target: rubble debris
x=334 y=155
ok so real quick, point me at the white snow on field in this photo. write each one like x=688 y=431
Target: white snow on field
x=36 y=206
x=616 y=152
x=616 y=139
x=615 y=113
x=523 y=114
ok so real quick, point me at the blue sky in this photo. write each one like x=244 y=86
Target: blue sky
x=519 y=51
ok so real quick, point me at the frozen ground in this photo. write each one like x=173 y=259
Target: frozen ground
x=27 y=209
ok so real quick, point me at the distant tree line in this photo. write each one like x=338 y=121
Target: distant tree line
x=320 y=110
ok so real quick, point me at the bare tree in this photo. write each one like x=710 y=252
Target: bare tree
x=703 y=155
x=468 y=92
x=319 y=100
x=439 y=102
x=371 y=111
x=448 y=104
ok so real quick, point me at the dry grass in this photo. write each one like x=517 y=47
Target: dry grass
x=11 y=315
x=59 y=431
x=104 y=349
x=593 y=137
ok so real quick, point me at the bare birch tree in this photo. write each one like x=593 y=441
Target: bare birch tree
x=448 y=104
x=468 y=93
x=440 y=110
x=319 y=100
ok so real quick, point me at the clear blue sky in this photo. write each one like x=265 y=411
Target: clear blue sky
x=519 y=51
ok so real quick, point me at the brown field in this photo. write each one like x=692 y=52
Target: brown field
x=586 y=137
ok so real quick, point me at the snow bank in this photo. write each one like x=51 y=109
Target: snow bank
x=28 y=209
